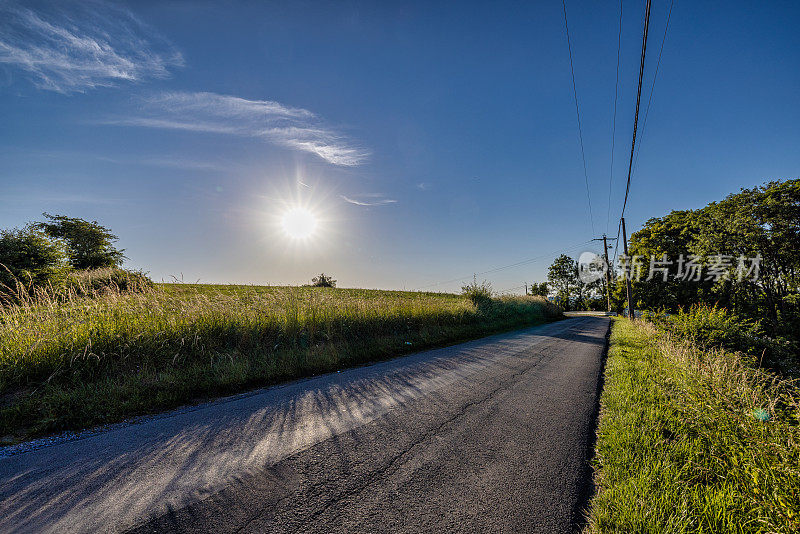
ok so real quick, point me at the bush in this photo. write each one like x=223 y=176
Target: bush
x=323 y=280
x=479 y=294
x=29 y=258
x=77 y=284
x=112 y=279
x=38 y=262
x=712 y=327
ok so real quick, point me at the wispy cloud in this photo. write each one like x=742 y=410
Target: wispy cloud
x=166 y=161
x=188 y=164
x=295 y=128
x=377 y=201
x=47 y=197
x=75 y=46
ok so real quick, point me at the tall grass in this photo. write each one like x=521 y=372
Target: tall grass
x=712 y=327
x=73 y=284
x=694 y=439
x=69 y=362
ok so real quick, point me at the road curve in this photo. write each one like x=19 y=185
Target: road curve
x=490 y=435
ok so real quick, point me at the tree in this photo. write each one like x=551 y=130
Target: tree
x=570 y=290
x=562 y=276
x=323 y=280
x=540 y=289
x=30 y=258
x=675 y=234
x=89 y=245
x=763 y=221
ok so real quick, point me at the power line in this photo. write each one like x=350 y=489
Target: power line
x=652 y=87
x=633 y=151
x=647 y=110
x=505 y=291
x=635 y=121
x=614 y=121
x=503 y=267
x=638 y=100
x=497 y=269
x=578 y=114
x=616 y=246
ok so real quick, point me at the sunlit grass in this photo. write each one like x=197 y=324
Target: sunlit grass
x=694 y=440
x=77 y=362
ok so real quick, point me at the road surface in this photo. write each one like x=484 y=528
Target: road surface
x=492 y=435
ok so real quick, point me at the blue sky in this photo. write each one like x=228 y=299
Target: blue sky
x=431 y=140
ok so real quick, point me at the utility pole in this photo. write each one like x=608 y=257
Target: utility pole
x=608 y=272
x=630 y=271
x=608 y=267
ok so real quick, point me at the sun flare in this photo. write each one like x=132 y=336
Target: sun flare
x=299 y=223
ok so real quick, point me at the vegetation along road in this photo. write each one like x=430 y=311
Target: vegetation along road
x=490 y=435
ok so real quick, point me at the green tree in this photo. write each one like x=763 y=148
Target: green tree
x=540 y=289
x=763 y=221
x=562 y=277
x=89 y=245
x=570 y=291
x=323 y=280
x=675 y=234
x=29 y=257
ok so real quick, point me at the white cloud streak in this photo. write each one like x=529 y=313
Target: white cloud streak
x=74 y=46
x=381 y=202
x=187 y=164
x=294 y=128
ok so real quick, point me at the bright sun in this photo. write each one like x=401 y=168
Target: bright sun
x=299 y=223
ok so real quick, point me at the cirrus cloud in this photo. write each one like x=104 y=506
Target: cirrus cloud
x=282 y=125
x=374 y=199
x=74 y=46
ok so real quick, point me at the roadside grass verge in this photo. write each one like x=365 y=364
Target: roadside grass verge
x=693 y=440
x=86 y=361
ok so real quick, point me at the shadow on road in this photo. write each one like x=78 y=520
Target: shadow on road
x=157 y=468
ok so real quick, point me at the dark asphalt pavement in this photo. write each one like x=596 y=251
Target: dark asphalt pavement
x=493 y=435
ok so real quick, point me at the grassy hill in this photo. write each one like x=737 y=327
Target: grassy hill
x=87 y=361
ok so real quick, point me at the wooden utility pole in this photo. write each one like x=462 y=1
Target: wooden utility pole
x=604 y=239
x=630 y=271
x=608 y=272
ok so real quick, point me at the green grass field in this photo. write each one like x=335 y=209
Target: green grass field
x=693 y=441
x=87 y=361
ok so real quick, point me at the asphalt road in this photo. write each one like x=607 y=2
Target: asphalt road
x=493 y=435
